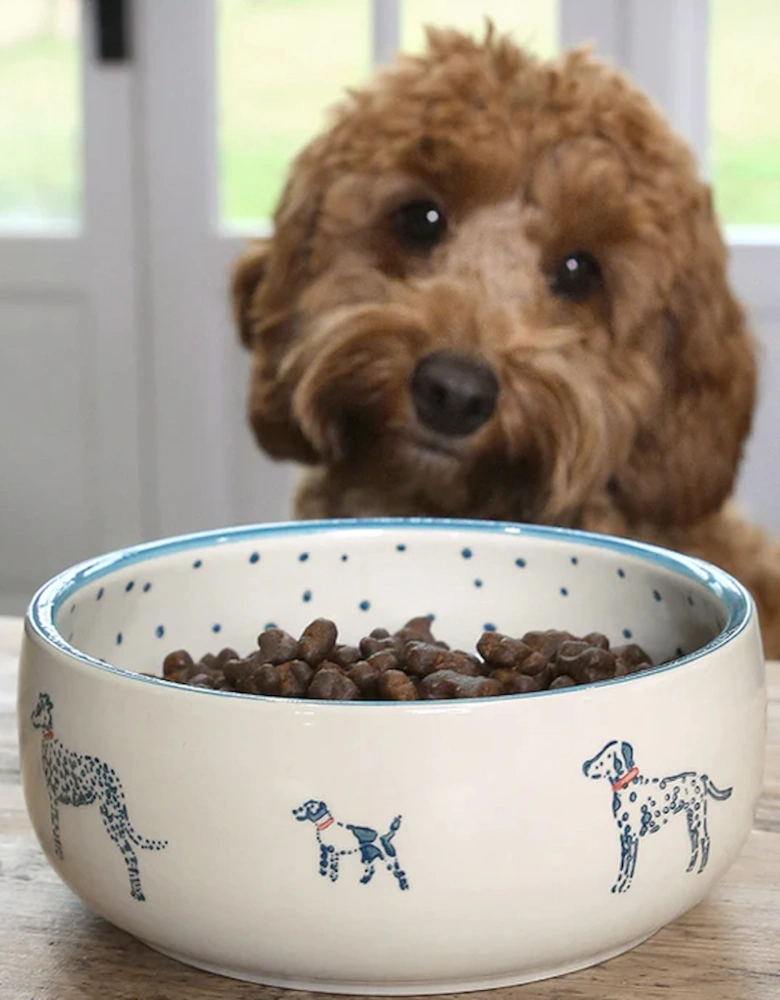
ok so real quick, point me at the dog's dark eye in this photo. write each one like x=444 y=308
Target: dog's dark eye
x=420 y=224
x=576 y=276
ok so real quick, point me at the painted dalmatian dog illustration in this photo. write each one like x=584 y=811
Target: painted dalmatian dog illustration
x=643 y=805
x=75 y=779
x=338 y=840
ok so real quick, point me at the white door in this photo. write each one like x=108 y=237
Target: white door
x=69 y=328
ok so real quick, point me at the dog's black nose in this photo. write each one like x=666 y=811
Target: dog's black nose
x=453 y=394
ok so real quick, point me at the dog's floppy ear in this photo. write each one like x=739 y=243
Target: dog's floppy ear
x=685 y=459
x=267 y=283
x=628 y=755
x=248 y=271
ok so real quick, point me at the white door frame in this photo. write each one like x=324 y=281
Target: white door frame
x=98 y=259
x=90 y=267
x=109 y=262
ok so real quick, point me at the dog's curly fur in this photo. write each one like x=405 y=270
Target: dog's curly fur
x=625 y=413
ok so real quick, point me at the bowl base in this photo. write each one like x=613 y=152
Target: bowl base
x=398 y=989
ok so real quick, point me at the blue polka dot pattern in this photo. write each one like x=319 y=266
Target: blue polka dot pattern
x=649 y=595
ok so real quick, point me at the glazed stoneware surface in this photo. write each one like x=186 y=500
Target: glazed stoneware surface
x=403 y=847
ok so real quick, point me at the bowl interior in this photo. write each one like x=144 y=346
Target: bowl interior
x=204 y=592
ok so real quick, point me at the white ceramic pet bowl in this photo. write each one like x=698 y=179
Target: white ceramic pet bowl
x=390 y=848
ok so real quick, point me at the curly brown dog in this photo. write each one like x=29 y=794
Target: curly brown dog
x=496 y=289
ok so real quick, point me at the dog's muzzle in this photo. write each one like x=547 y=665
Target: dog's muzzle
x=453 y=394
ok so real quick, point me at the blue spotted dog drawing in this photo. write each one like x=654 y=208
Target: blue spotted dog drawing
x=642 y=805
x=339 y=840
x=74 y=779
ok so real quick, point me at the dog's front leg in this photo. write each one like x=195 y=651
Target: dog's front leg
x=399 y=874
x=629 y=844
x=54 y=812
x=323 y=859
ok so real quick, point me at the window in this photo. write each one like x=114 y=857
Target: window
x=282 y=63
x=40 y=117
x=534 y=25
x=744 y=84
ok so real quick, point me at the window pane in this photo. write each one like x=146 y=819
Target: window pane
x=40 y=115
x=745 y=110
x=534 y=25
x=281 y=64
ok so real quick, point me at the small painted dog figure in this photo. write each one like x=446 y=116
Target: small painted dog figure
x=74 y=779
x=338 y=840
x=642 y=805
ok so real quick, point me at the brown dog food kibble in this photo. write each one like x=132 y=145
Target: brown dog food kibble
x=178 y=666
x=345 y=656
x=408 y=665
x=330 y=683
x=385 y=659
x=395 y=685
x=366 y=677
x=283 y=680
x=513 y=682
x=276 y=646
x=450 y=684
x=423 y=658
x=502 y=650
x=317 y=641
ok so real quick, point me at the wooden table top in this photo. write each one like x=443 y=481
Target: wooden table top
x=52 y=948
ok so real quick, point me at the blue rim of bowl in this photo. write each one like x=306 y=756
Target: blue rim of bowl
x=43 y=609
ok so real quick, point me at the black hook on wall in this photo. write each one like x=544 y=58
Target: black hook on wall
x=111 y=19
